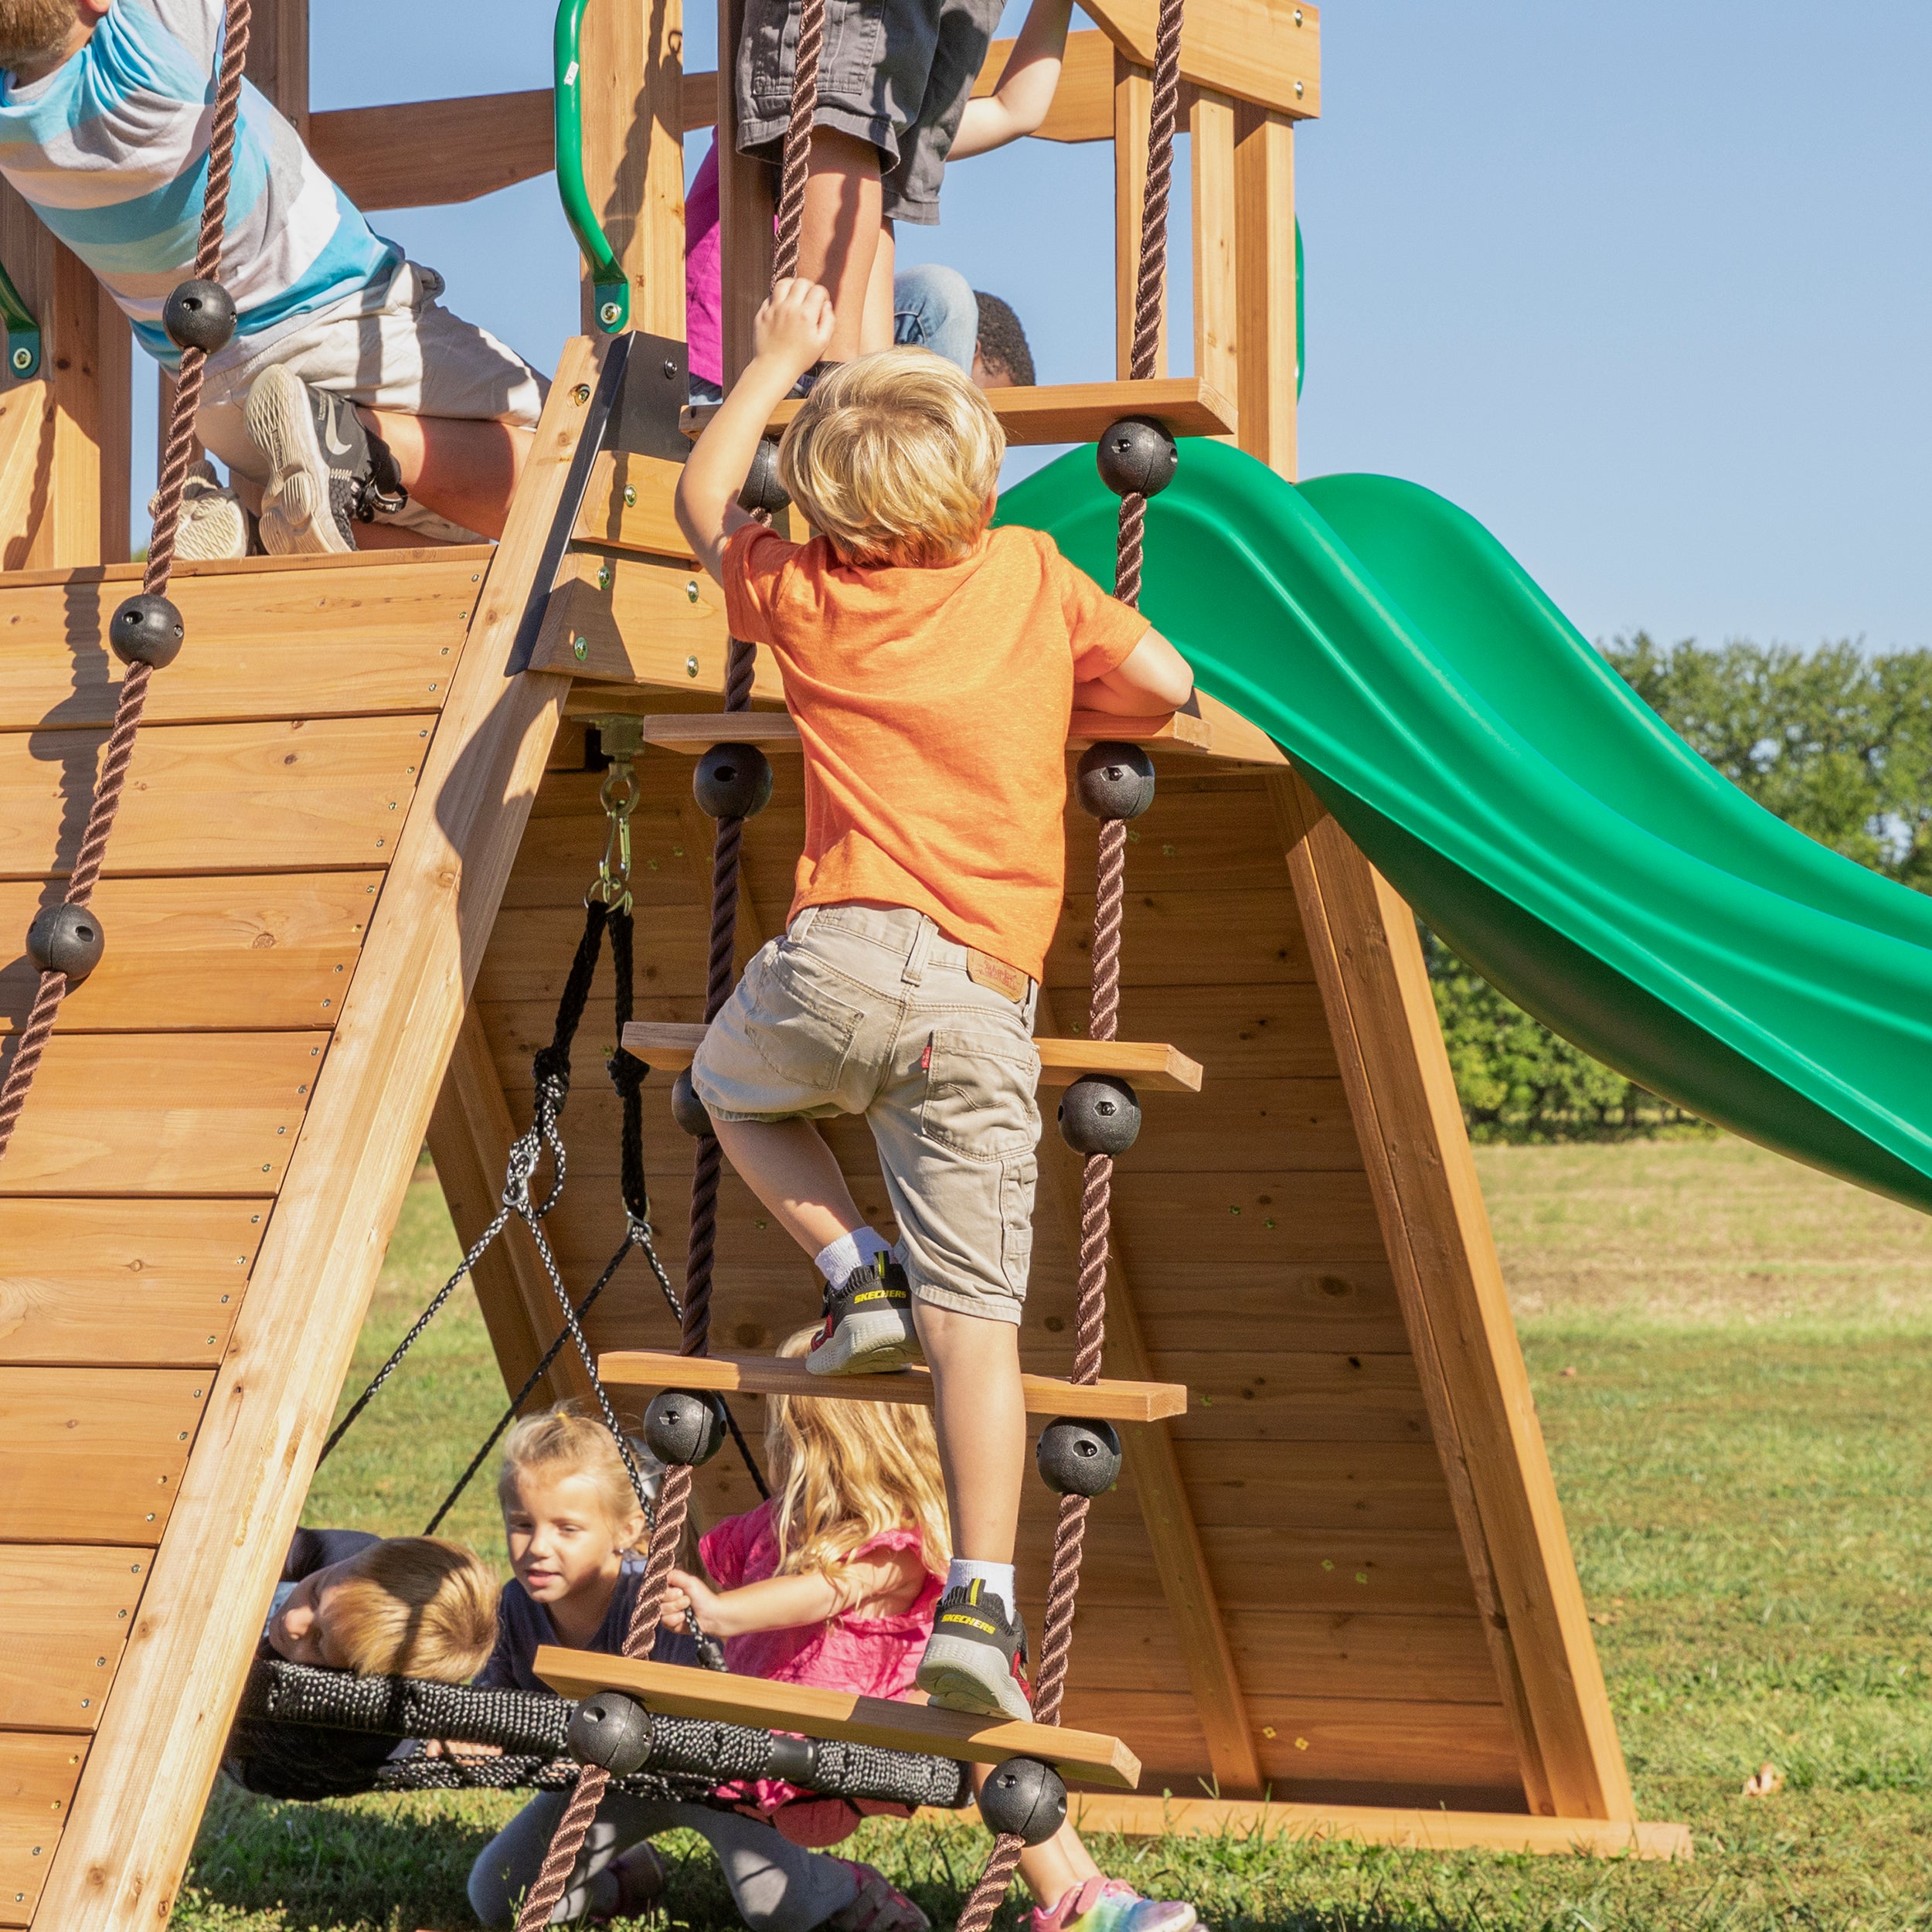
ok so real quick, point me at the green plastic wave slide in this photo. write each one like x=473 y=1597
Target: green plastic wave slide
x=1532 y=809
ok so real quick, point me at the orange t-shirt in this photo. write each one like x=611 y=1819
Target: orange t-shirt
x=933 y=706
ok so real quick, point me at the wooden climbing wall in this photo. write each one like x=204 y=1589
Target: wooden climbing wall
x=1280 y=1594
x=276 y=766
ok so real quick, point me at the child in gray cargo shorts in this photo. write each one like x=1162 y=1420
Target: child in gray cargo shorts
x=893 y=81
x=932 y=665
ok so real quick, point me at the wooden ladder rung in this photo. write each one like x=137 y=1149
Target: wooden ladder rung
x=669 y=1046
x=775 y=731
x=675 y=1690
x=1070 y=412
x=764 y=1375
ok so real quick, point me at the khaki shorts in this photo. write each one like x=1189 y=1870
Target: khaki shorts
x=394 y=347
x=863 y=1009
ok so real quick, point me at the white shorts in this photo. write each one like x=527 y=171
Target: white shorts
x=393 y=347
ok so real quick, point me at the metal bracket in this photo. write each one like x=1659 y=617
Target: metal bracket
x=656 y=386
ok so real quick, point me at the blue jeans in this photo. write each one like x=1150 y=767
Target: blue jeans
x=933 y=308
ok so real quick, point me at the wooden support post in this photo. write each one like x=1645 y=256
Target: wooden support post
x=1264 y=279
x=1133 y=117
x=1179 y=1559
x=1211 y=121
x=470 y=1136
x=1375 y=988
x=632 y=95
x=76 y=511
x=745 y=207
x=278 y=57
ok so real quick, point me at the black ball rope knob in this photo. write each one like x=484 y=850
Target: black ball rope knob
x=65 y=939
x=200 y=315
x=1114 y=781
x=1025 y=1799
x=686 y=1109
x=732 y=781
x=682 y=1425
x=1078 y=1458
x=763 y=491
x=147 y=630
x=1099 y=1114
x=1137 y=457
x=610 y=1730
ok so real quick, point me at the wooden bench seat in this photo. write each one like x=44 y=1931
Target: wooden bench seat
x=675 y=1690
x=667 y=1047
x=764 y=1375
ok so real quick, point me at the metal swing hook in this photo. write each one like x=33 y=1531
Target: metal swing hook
x=621 y=738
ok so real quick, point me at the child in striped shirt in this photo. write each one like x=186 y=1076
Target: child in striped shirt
x=350 y=408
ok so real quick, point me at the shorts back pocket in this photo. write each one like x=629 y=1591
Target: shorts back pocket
x=979 y=1094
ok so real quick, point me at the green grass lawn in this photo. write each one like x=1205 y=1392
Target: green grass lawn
x=1730 y=1357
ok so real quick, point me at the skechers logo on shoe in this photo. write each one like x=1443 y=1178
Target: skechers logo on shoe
x=971 y=1623
x=899 y=1297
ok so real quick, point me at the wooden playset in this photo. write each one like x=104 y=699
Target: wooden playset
x=1332 y=1593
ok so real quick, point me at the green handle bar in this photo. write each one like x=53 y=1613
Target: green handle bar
x=23 y=332
x=607 y=276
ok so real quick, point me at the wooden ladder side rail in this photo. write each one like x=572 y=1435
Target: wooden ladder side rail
x=1417 y=1831
x=140 y=1801
x=1179 y=1559
x=469 y=1136
x=678 y=1690
x=669 y=1046
x=764 y=1375
x=1362 y=938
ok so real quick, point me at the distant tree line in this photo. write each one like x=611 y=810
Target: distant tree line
x=1836 y=743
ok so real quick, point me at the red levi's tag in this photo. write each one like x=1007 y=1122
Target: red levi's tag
x=926 y=1058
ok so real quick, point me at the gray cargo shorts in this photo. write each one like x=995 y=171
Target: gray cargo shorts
x=896 y=72
x=866 y=1009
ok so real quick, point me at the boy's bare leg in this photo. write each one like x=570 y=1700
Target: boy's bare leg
x=838 y=233
x=462 y=469
x=880 y=312
x=788 y=1166
x=979 y=1414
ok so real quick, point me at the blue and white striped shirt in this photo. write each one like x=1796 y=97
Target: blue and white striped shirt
x=111 y=151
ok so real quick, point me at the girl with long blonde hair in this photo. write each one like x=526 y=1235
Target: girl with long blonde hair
x=834 y=1582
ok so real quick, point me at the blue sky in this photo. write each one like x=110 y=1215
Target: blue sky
x=1646 y=290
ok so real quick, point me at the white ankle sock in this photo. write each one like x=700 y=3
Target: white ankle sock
x=996 y=1580
x=849 y=1251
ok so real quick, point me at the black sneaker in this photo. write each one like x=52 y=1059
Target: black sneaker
x=975 y=1656
x=328 y=472
x=869 y=1323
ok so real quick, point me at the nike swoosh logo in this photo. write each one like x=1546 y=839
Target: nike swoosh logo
x=334 y=447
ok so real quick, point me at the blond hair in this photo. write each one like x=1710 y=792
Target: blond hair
x=414 y=1606
x=565 y=1441
x=895 y=457
x=845 y=1472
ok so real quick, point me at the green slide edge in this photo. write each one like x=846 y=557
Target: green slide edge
x=1532 y=809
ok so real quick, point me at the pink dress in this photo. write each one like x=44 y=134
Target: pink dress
x=875 y=1656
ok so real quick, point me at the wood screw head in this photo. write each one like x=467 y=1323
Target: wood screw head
x=581 y=394
x=691 y=667
x=579 y=649
x=630 y=496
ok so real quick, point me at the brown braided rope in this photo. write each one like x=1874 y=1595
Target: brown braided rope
x=1097 y=1182
x=674 y=1499
x=133 y=698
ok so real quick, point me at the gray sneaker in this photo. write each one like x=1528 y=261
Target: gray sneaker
x=974 y=1656
x=329 y=473
x=868 y=1327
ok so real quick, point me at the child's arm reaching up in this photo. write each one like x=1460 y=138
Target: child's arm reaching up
x=1153 y=677
x=1019 y=103
x=792 y=332
x=881 y=1585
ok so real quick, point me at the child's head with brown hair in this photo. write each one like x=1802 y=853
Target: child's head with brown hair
x=845 y=1472
x=570 y=1513
x=895 y=458
x=409 y=1607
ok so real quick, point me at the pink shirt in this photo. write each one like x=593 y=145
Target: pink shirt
x=704 y=274
x=875 y=1656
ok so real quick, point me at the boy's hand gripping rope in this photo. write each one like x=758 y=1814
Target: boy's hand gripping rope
x=674 y=1499
x=1056 y=1633
x=54 y=983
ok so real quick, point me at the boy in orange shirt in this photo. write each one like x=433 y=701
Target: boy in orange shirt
x=933 y=665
